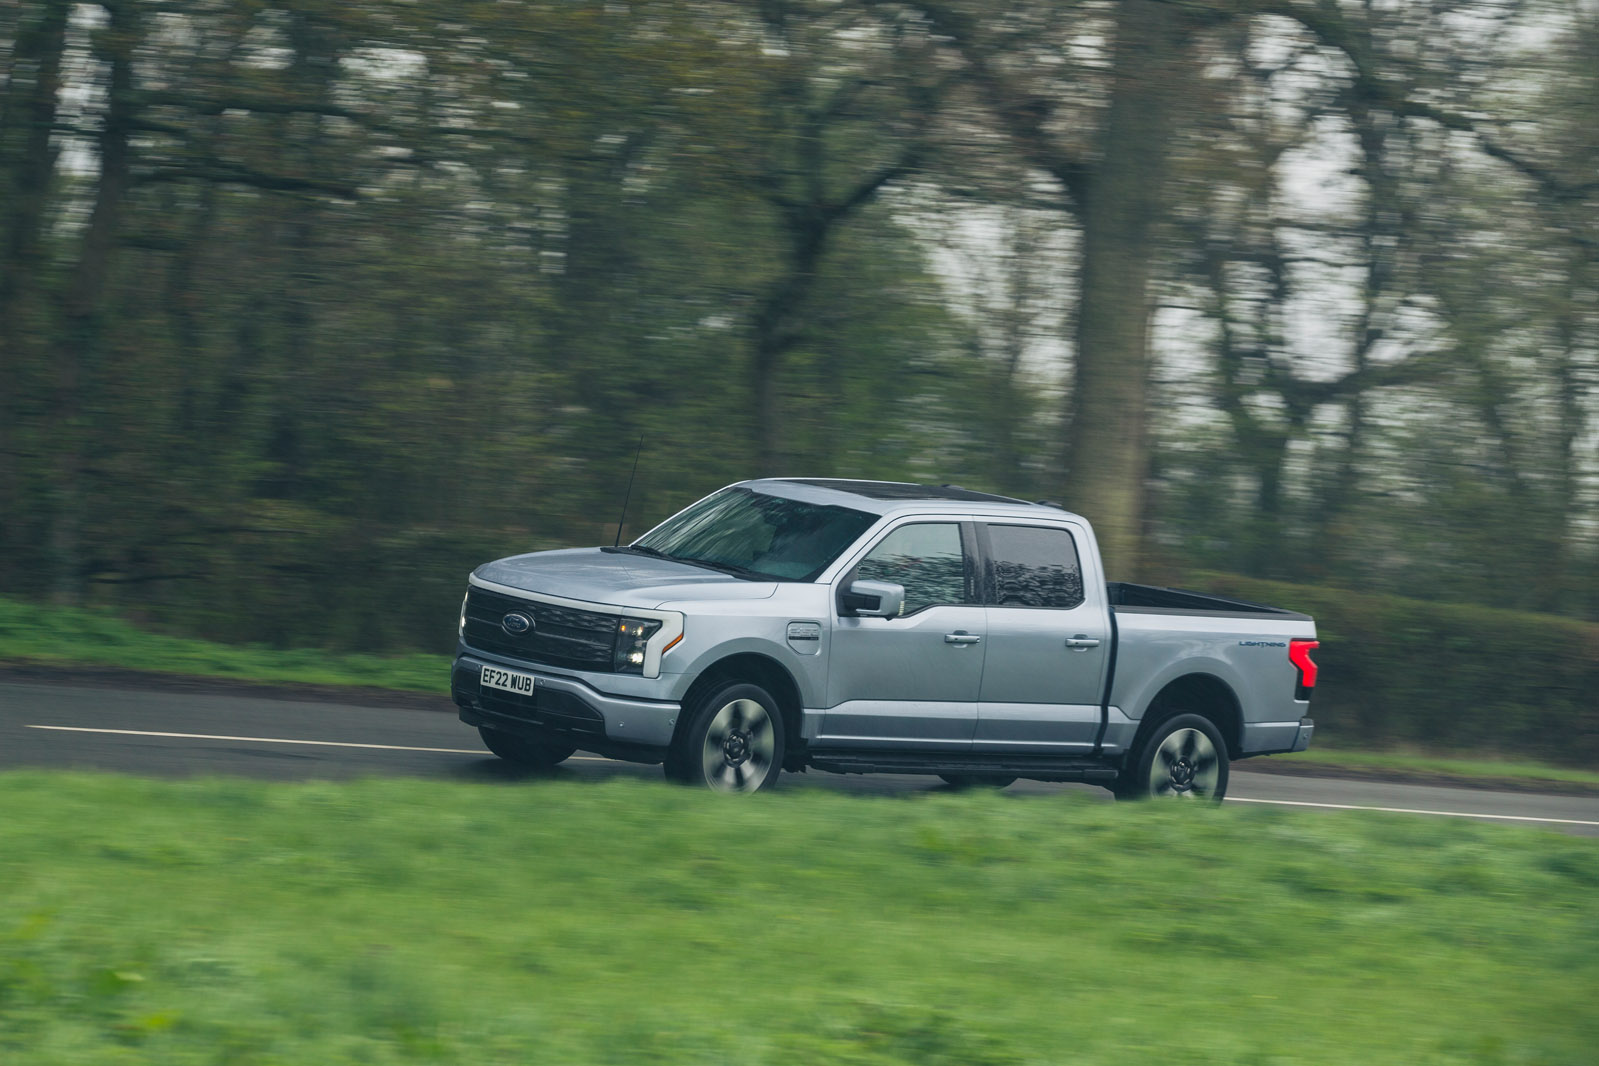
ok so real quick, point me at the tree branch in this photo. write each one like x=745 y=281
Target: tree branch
x=233 y=174
x=1423 y=367
x=1023 y=114
x=1327 y=24
x=869 y=188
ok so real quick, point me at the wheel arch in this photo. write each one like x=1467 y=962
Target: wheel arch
x=1203 y=694
x=752 y=668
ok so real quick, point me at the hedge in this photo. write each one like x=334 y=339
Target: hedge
x=1443 y=676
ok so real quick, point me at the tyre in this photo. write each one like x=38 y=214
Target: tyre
x=733 y=741
x=1184 y=758
x=965 y=781
x=521 y=751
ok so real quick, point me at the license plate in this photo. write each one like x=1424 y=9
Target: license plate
x=509 y=680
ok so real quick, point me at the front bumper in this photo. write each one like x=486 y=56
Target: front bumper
x=563 y=707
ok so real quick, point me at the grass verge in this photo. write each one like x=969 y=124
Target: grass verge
x=400 y=921
x=1425 y=768
x=32 y=634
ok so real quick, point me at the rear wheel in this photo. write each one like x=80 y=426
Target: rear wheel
x=1184 y=758
x=733 y=741
x=965 y=781
x=521 y=751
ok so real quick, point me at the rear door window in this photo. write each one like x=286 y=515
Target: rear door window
x=1033 y=566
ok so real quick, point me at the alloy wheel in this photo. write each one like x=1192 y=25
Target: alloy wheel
x=1186 y=766
x=740 y=747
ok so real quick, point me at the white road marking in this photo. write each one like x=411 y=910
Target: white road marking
x=278 y=740
x=1408 y=810
x=591 y=758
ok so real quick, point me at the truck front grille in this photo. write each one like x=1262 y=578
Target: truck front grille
x=561 y=636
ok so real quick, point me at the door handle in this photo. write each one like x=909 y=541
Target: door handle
x=960 y=636
x=1082 y=642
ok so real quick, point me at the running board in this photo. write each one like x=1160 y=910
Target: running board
x=1033 y=767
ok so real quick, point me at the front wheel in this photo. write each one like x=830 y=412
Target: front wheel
x=1184 y=758
x=522 y=751
x=733 y=741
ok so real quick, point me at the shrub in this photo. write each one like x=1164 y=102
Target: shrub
x=1443 y=675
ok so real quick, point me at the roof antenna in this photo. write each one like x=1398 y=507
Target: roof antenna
x=629 y=495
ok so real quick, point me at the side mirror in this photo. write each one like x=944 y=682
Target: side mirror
x=872 y=599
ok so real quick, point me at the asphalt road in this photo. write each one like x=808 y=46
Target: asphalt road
x=180 y=734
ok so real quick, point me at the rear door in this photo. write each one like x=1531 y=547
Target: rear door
x=910 y=682
x=1048 y=642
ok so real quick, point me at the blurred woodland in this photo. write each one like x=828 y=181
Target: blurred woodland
x=307 y=307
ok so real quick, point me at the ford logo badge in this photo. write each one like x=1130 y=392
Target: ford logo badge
x=516 y=623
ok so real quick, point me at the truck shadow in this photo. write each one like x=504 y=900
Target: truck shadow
x=583 y=770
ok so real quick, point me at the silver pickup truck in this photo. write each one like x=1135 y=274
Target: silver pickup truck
x=875 y=627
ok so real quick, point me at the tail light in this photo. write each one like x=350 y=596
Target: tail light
x=1299 y=654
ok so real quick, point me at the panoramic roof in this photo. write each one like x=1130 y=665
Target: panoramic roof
x=902 y=490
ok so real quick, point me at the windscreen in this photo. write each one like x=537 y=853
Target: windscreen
x=755 y=535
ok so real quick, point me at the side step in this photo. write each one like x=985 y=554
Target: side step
x=1033 y=767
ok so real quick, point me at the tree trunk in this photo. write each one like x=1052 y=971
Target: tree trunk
x=1266 y=542
x=776 y=330
x=85 y=299
x=1107 y=442
x=27 y=163
x=1553 y=579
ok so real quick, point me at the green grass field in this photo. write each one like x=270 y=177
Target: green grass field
x=42 y=634
x=1444 y=769
x=554 y=922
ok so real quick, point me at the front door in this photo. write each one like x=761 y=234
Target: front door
x=910 y=682
x=1047 y=645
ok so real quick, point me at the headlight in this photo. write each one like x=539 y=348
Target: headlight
x=632 y=634
x=460 y=627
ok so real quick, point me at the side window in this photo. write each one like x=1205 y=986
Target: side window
x=1034 y=566
x=926 y=558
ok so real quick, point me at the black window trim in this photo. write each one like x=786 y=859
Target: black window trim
x=970 y=558
x=990 y=589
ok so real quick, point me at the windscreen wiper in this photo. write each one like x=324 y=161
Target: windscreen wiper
x=708 y=564
x=634 y=549
x=732 y=568
x=656 y=553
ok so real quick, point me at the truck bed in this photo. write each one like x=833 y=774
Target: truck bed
x=1127 y=598
x=1161 y=634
